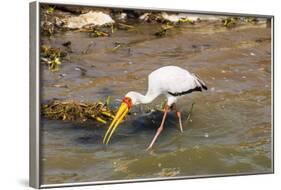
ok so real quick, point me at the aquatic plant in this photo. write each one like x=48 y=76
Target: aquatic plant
x=51 y=21
x=163 y=31
x=186 y=20
x=52 y=57
x=253 y=20
x=230 y=21
x=50 y=10
x=127 y=27
x=69 y=110
x=98 y=33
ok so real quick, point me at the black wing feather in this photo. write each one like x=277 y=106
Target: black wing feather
x=197 y=88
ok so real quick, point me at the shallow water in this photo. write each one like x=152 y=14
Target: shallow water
x=229 y=130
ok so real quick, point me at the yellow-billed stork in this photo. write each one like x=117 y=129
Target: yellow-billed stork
x=173 y=82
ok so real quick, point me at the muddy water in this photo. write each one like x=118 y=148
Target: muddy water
x=229 y=131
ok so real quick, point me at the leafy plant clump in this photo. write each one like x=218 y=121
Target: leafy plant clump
x=230 y=22
x=186 y=20
x=77 y=111
x=52 y=57
x=163 y=31
x=253 y=20
x=50 y=10
x=51 y=21
x=98 y=33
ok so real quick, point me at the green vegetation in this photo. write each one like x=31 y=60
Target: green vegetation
x=230 y=22
x=50 y=10
x=186 y=20
x=163 y=31
x=234 y=21
x=52 y=57
x=98 y=33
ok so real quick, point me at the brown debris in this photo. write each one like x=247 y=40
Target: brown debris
x=70 y=110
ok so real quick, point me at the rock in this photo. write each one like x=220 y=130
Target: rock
x=90 y=18
x=144 y=17
x=175 y=18
x=194 y=17
x=121 y=16
x=133 y=14
x=58 y=22
x=73 y=9
x=171 y=17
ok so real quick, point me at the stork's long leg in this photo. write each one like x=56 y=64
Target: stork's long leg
x=178 y=114
x=159 y=130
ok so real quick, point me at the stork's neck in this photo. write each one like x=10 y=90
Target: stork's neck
x=147 y=98
x=144 y=99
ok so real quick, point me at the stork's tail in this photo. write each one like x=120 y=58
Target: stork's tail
x=200 y=82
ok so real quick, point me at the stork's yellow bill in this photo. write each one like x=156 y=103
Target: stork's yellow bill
x=121 y=113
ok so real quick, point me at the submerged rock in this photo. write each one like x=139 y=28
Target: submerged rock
x=90 y=18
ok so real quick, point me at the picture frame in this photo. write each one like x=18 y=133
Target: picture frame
x=37 y=99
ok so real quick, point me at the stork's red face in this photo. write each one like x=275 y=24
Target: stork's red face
x=128 y=101
x=121 y=113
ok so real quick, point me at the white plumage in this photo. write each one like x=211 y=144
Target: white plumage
x=173 y=82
